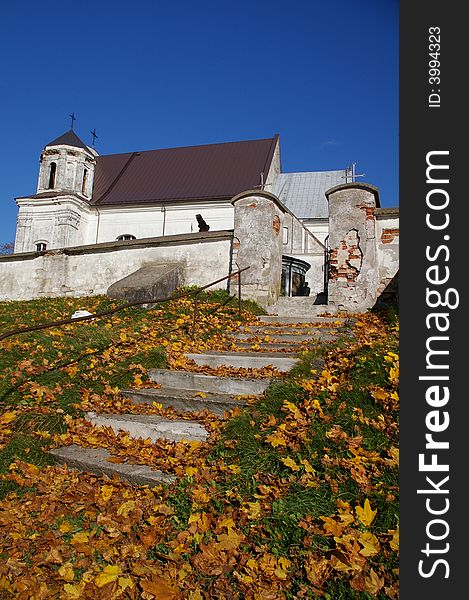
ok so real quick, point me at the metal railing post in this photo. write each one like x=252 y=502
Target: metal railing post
x=194 y=320
x=239 y=293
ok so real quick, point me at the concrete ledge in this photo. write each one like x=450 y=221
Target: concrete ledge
x=167 y=240
x=237 y=360
x=151 y=426
x=95 y=460
x=208 y=383
x=185 y=400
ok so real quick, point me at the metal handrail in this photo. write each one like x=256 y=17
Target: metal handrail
x=129 y=305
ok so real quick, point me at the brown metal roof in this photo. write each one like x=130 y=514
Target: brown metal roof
x=193 y=172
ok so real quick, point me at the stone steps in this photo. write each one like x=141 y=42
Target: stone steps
x=194 y=392
x=185 y=400
x=208 y=383
x=300 y=306
x=242 y=360
x=151 y=426
x=272 y=330
x=285 y=337
x=279 y=348
x=96 y=460
x=293 y=320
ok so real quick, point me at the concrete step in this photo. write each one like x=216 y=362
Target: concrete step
x=242 y=360
x=208 y=383
x=95 y=460
x=300 y=306
x=151 y=426
x=278 y=348
x=285 y=329
x=289 y=320
x=184 y=400
x=285 y=337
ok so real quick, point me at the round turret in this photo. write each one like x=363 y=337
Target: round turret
x=67 y=165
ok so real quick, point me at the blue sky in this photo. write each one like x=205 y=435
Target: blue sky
x=149 y=74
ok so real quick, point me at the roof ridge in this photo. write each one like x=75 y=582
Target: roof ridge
x=193 y=146
x=116 y=179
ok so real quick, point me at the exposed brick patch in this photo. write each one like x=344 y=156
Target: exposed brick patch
x=345 y=261
x=389 y=235
x=276 y=224
x=369 y=211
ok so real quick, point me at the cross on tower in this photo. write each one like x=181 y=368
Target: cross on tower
x=72 y=116
x=351 y=173
x=95 y=137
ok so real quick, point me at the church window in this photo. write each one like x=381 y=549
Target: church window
x=41 y=246
x=52 y=172
x=83 y=183
x=125 y=236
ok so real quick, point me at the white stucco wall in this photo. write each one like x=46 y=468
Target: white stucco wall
x=67 y=221
x=90 y=270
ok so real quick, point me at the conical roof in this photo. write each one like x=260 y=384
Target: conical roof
x=69 y=138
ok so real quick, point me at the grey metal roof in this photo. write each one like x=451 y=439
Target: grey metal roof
x=304 y=193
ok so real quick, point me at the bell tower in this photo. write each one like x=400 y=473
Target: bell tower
x=67 y=166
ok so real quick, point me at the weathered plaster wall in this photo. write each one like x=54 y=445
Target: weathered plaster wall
x=90 y=270
x=258 y=226
x=387 y=241
x=264 y=230
x=353 y=276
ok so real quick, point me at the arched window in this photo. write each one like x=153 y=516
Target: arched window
x=52 y=172
x=41 y=246
x=83 y=183
x=125 y=236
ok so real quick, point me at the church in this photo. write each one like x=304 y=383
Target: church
x=84 y=198
x=107 y=203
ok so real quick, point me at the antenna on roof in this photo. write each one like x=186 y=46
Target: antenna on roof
x=95 y=137
x=351 y=174
x=262 y=180
x=73 y=118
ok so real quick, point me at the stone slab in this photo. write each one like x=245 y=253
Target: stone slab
x=285 y=329
x=151 y=426
x=208 y=383
x=95 y=460
x=184 y=400
x=279 y=348
x=298 y=306
x=241 y=360
x=285 y=337
x=286 y=320
x=150 y=281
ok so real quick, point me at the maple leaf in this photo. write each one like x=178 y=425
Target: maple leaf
x=66 y=572
x=394 y=543
x=289 y=462
x=373 y=583
x=229 y=541
x=106 y=492
x=8 y=417
x=370 y=544
x=161 y=588
x=366 y=515
x=74 y=591
x=109 y=573
x=276 y=440
x=125 y=508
